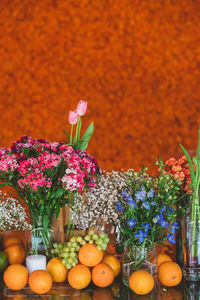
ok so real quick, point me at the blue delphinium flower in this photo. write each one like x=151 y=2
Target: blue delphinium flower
x=141 y=236
x=163 y=223
x=163 y=208
x=141 y=194
x=132 y=204
x=146 y=205
x=170 y=238
x=119 y=206
x=129 y=198
x=158 y=218
x=146 y=227
x=132 y=223
x=125 y=192
x=171 y=210
x=153 y=203
x=174 y=227
x=150 y=194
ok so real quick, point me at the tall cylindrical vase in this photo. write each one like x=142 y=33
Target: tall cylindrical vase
x=191 y=241
x=40 y=239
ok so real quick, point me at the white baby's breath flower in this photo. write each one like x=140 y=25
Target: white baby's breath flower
x=98 y=204
x=12 y=214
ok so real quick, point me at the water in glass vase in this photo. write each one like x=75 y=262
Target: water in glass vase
x=135 y=258
x=191 y=244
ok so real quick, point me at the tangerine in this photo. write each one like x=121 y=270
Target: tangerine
x=11 y=240
x=141 y=282
x=161 y=258
x=57 y=270
x=40 y=281
x=113 y=262
x=169 y=273
x=16 y=254
x=79 y=277
x=16 y=277
x=102 y=275
x=89 y=255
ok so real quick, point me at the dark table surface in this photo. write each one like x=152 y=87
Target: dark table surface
x=116 y=291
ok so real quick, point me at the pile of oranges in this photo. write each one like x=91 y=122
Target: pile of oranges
x=141 y=282
x=93 y=266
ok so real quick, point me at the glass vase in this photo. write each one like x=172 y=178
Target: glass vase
x=40 y=239
x=135 y=258
x=191 y=242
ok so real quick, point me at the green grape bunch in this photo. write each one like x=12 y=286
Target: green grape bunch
x=68 y=251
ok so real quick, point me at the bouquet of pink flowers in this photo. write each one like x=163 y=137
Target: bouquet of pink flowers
x=46 y=174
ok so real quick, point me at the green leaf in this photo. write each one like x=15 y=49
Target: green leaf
x=191 y=167
x=3 y=184
x=79 y=128
x=87 y=135
x=67 y=134
x=198 y=146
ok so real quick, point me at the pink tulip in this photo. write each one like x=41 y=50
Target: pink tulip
x=81 y=108
x=73 y=117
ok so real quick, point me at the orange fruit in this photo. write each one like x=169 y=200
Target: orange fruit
x=9 y=241
x=57 y=270
x=79 y=277
x=169 y=273
x=16 y=277
x=102 y=275
x=89 y=255
x=40 y=281
x=161 y=258
x=16 y=254
x=113 y=262
x=141 y=282
x=102 y=294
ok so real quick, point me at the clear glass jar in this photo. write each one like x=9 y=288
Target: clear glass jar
x=135 y=258
x=191 y=243
x=40 y=239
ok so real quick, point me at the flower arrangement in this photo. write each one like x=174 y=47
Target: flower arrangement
x=97 y=205
x=12 y=214
x=179 y=168
x=146 y=206
x=46 y=174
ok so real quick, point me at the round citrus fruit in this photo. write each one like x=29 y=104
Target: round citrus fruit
x=79 y=277
x=40 y=281
x=169 y=273
x=141 y=282
x=102 y=294
x=57 y=270
x=113 y=262
x=11 y=240
x=3 y=261
x=89 y=255
x=16 y=254
x=102 y=275
x=161 y=258
x=16 y=277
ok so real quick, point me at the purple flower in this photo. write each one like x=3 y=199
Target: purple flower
x=150 y=194
x=119 y=206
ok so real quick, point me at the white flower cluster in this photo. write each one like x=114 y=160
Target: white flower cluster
x=98 y=204
x=12 y=214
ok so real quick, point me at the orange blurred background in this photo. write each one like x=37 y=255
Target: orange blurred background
x=137 y=63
